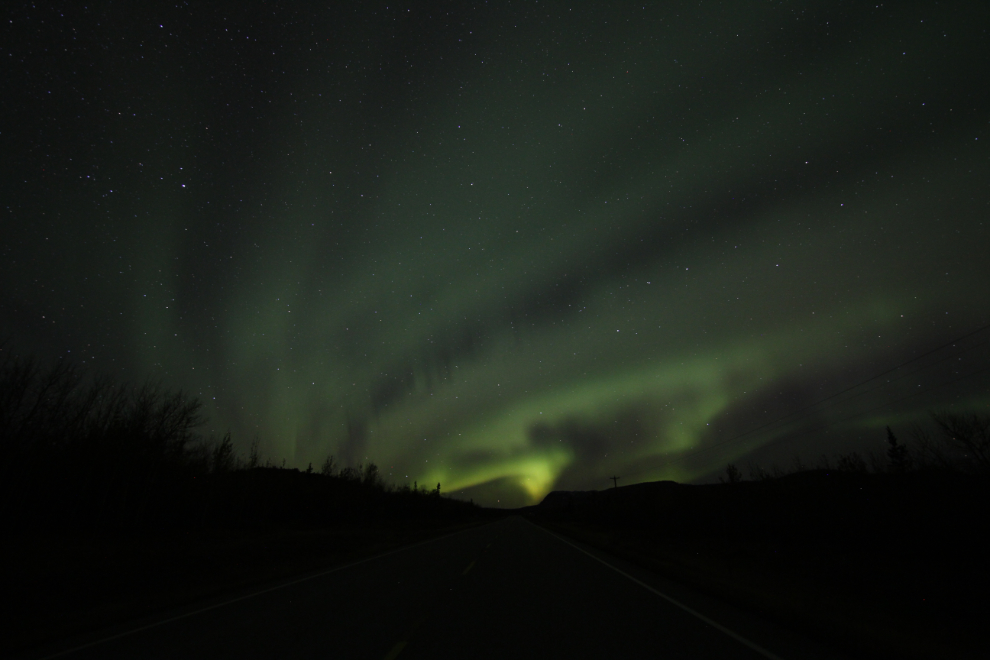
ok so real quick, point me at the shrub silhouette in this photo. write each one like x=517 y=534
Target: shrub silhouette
x=92 y=451
x=94 y=454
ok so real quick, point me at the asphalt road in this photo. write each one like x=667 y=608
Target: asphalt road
x=508 y=589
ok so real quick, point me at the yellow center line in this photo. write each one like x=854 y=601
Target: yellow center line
x=469 y=566
x=394 y=652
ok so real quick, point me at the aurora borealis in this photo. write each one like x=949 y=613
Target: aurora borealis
x=508 y=247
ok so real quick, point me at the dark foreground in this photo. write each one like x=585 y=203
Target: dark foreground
x=505 y=589
x=877 y=565
x=56 y=587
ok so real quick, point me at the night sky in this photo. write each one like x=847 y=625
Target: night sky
x=513 y=246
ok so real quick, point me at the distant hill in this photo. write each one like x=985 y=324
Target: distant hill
x=809 y=504
x=888 y=565
x=560 y=501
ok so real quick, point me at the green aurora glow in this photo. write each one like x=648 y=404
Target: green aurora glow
x=508 y=250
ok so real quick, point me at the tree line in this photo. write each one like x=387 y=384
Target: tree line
x=92 y=453
x=955 y=442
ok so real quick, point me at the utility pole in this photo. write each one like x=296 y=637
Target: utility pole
x=615 y=482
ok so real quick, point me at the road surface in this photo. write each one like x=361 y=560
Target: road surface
x=508 y=589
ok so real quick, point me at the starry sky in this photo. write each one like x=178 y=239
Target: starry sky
x=510 y=247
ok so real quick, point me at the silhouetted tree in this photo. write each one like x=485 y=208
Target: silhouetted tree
x=732 y=475
x=254 y=456
x=877 y=463
x=371 y=476
x=223 y=458
x=898 y=458
x=967 y=435
x=851 y=462
x=757 y=473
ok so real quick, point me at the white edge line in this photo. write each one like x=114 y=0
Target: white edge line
x=739 y=638
x=245 y=597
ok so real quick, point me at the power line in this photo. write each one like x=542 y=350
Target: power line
x=859 y=384
x=849 y=389
x=914 y=394
x=918 y=370
x=891 y=403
